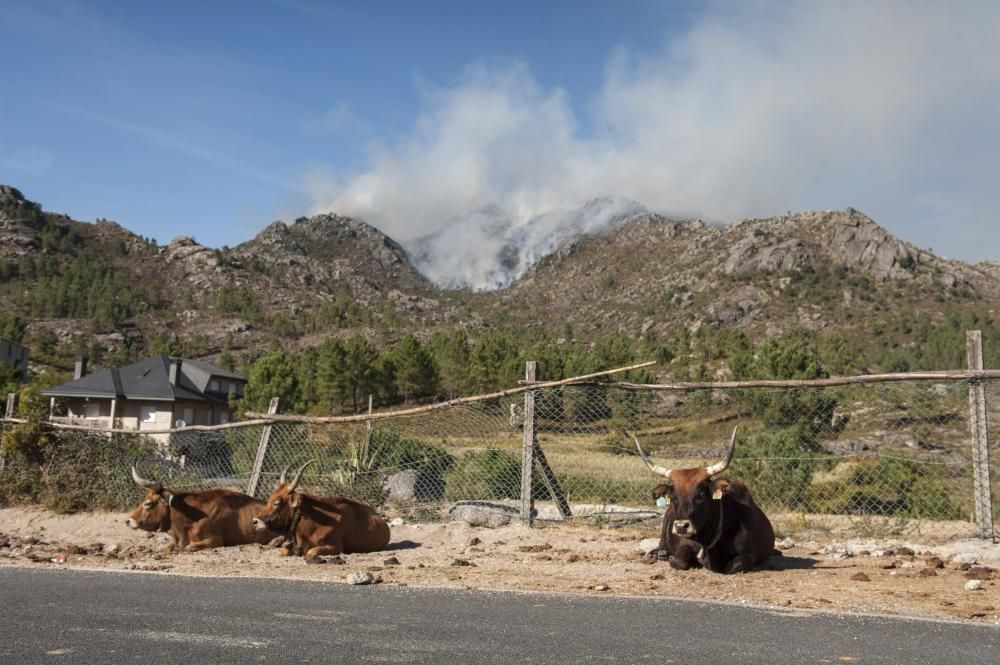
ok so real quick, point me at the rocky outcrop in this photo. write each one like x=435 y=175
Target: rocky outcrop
x=17 y=235
x=789 y=242
x=198 y=264
x=333 y=254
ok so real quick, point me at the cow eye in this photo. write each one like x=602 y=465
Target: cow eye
x=147 y=504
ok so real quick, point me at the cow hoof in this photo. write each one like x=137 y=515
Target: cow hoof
x=663 y=555
x=677 y=564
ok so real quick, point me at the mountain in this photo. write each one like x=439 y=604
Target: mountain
x=609 y=267
x=487 y=250
x=818 y=270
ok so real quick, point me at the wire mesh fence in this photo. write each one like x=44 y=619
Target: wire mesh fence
x=868 y=458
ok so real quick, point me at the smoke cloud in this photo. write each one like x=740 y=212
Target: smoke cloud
x=752 y=112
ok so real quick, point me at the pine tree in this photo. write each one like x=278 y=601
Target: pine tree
x=451 y=356
x=416 y=375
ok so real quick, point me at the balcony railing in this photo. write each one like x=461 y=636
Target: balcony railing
x=97 y=423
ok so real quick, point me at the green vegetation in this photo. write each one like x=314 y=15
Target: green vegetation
x=65 y=471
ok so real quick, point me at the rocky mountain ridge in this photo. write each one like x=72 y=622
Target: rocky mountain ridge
x=328 y=275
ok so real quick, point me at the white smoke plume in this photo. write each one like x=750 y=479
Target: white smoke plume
x=754 y=111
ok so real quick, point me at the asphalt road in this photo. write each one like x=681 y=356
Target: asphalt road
x=52 y=616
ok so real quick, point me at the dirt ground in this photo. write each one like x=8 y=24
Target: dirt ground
x=890 y=577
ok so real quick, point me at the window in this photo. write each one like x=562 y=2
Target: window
x=187 y=415
x=213 y=387
x=223 y=417
x=147 y=414
x=92 y=410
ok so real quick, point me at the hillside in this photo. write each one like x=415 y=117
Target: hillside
x=817 y=270
x=99 y=288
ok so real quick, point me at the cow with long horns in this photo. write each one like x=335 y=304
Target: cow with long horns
x=710 y=522
x=197 y=520
x=315 y=526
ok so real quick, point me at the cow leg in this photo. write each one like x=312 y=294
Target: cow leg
x=662 y=551
x=741 y=563
x=685 y=557
x=322 y=550
x=206 y=543
x=170 y=546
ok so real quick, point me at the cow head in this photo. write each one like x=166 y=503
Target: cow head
x=280 y=508
x=693 y=493
x=153 y=513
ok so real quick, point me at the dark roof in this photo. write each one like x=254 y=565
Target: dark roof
x=149 y=379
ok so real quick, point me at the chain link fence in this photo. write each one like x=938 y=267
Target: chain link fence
x=871 y=459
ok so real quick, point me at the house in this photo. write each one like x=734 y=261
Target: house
x=15 y=355
x=153 y=394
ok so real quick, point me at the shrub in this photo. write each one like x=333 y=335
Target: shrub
x=890 y=486
x=70 y=471
x=484 y=474
x=774 y=466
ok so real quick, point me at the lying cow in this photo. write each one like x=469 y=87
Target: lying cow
x=710 y=522
x=198 y=520
x=315 y=526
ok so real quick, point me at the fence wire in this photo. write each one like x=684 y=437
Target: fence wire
x=867 y=458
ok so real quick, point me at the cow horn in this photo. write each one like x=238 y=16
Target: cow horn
x=284 y=475
x=142 y=482
x=298 y=475
x=721 y=466
x=655 y=468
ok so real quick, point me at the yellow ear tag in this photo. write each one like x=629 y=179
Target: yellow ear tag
x=717 y=494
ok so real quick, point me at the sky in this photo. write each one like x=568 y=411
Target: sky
x=214 y=119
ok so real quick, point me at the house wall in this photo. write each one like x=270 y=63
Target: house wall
x=164 y=414
x=77 y=407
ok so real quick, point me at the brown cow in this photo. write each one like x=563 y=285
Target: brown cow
x=197 y=520
x=321 y=525
x=710 y=523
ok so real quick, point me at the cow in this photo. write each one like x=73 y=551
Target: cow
x=197 y=520
x=314 y=526
x=710 y=522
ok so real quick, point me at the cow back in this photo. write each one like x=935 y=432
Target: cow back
x=336 y=517
x=225 y=513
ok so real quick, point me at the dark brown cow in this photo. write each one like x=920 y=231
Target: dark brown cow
x=198 y=520
x=710 y=522
x=315 y=526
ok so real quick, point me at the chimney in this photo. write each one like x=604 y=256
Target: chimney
x=80 y=368
x=175 y=371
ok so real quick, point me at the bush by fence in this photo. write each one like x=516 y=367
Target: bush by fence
x=897 y=450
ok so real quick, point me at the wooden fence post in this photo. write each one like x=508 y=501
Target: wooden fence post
x=258 y=462
x=8 y=413
x=980 y=440
x=528 y=447
x=532 y=453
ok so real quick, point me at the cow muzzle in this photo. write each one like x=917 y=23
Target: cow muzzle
x=258 y=524
x=684 y=528
x=132 y=524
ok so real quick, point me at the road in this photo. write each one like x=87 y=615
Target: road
x=51 y=616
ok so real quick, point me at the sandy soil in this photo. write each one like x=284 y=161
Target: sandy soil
x=814 y=573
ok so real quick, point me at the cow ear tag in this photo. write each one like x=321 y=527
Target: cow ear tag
x=662 y=501
x=717 y=494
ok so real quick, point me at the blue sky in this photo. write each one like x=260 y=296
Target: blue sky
x=213 y=119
